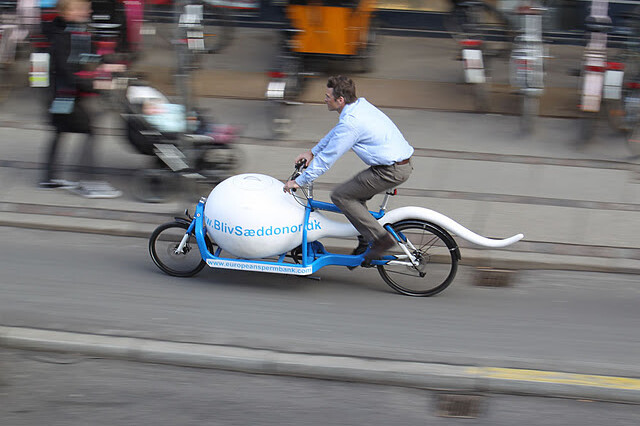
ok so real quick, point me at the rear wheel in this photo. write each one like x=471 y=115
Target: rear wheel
x=436 y=260
x=162 y=247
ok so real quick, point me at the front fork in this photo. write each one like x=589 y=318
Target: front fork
x=185 y=238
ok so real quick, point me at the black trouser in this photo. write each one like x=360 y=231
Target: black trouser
x=76 y=122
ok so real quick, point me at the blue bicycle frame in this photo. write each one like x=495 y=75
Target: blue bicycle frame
x=314 y=255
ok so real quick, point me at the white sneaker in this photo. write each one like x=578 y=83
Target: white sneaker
x=96 y=189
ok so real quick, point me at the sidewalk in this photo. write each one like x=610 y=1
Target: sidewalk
x=575 y=207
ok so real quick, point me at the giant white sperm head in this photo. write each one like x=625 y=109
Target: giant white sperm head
x=250 y=216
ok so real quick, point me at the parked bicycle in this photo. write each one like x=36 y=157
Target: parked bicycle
x=18 y=20
x=622 y=80
x=475 y=25
x=594 y=69
x=212 y=18
x=317 y=32
x=527 y=63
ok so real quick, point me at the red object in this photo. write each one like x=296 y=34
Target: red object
x=471 y=43
x=276 y=74
x=615 y=66
x=594 y=68
x=105 y=47
x=48 y=16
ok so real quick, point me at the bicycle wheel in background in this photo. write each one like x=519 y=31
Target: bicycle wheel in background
x=633 y=140
x=481 y=96
x=218 y=27
x=477 y=20
x=624 y=114
x=588 y=125
x=288 y=76
x=437 y=256
x=529 y=114
x=162 y=247
x=153 y=185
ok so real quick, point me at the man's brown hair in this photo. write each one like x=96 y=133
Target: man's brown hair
x=343 y=86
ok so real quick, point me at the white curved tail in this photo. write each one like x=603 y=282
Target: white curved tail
x=447 y=223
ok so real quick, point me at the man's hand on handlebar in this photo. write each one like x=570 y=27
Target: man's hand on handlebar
x=301 y=162
x=290 y=186
x=305 y=157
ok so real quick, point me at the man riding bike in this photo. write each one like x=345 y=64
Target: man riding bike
x=377 y=141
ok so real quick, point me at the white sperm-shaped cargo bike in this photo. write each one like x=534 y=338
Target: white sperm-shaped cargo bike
x=249 y=223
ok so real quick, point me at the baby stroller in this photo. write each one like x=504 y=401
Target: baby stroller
x=190 y=153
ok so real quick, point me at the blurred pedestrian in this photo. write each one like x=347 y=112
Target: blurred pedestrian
x=70 y=87
x=377 y=141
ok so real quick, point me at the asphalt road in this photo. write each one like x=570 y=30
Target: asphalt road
x=56 y=389
x=108 y=285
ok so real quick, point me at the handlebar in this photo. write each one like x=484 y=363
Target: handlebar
x=298 y=167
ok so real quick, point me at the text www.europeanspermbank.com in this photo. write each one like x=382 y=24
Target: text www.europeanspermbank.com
x=254 y=266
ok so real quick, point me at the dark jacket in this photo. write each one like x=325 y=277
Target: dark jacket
x=68 y=42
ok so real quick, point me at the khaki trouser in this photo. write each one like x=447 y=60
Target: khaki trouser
x=351 y=196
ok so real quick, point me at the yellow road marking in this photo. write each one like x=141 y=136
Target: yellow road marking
x=609 y=382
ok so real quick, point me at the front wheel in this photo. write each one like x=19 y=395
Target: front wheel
x=163 y=245
x=435 y=259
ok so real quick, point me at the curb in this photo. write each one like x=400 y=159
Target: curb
x=329 y=367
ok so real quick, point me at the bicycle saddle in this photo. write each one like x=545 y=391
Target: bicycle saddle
x=598 y=24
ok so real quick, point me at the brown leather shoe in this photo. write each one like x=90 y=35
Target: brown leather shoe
x=379 y=247
x=362 y=246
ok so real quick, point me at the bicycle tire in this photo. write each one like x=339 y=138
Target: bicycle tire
x=218 y=29
x=529 y=113
x=588 y=126
x=215 y=165
x=481 y=96
x=478 y=20
x=163 y=242
x=366 y=58
x=436 y=252
x=633 y=140
x=153 y=185
x=280 y=118
x=630 y=116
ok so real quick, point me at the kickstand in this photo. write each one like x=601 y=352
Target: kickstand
x=312 y=277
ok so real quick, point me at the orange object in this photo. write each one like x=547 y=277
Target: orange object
x=328 y=29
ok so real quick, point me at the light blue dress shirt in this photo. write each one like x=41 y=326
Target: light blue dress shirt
x=365 y=129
